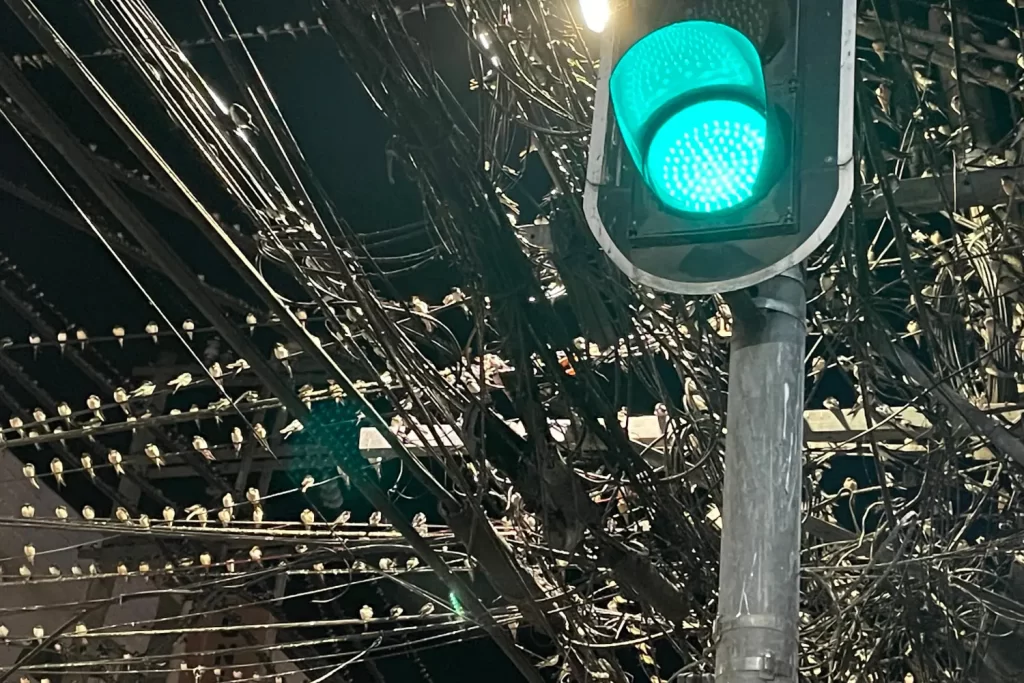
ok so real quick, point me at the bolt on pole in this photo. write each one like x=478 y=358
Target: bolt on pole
x=759 y=592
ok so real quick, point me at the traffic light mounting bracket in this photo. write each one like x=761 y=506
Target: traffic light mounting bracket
x=721 y=254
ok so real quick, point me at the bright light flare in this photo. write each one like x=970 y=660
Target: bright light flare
x=596 y=14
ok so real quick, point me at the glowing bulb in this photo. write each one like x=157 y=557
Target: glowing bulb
x=596 y=14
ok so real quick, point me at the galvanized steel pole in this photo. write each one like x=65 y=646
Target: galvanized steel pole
x=759 y=592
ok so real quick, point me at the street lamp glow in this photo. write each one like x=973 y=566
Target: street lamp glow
x=690 y=102
x=596 y=14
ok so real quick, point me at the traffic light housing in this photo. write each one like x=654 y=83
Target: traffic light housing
x=722 y=145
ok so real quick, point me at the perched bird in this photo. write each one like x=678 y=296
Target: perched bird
x=121 y=399
x=189 y=328
x=87 y=465
x=395 y=612
x=252 y=495
x=386 y=564
x=144 y=390
x=180 y=382
x=62 y=341
x=152 y=452
x=240 y=117
x=38 y=633
x=53 y=570
x=224 y=516
x=34 y=341
x=307 y=517
x=238 y=366
x=419 y=522
x=281 y=354
x=205 y=559
x=152 y=329
x=29 y=470
x=257 y=515
x=250 y=320
x=260 y=431
x=64 y=411
x=412 y=563
x=216 y=371
x=375 y=517
x=61 y=511
x=16 y=424
x=365 y=613
x=427 y=609
x=30 y=553
x=88 y=513
x=291 y=428
x=343 y=517
x=307 y=482
x=199 y=512
x=236 y=439
x=94 y=404
x=82 y=336
x=28 y=511
x=255 y=554
x=115 y=459
x=121 y=514
x=57 y=469
x=200 y=446
x=168 y=515
x=24 y=572
x=144 y=521
x=118 y=332
x=4 y=632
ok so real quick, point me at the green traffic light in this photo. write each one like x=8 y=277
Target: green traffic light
x=690 y=102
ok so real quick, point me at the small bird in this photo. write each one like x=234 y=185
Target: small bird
x=250 y=320
x=152 y=329
x=386 y=564
x=419 y=521
x=4 y=632
x=88 y=513
x=121 y=514
x=115 y=459
x=17 y=423
x=29 y=470
x=307 y=482
x=395 y=612
x=224 y=516
x=28 y=511
x=144 y=521
x=252 y=495
x=427 y=609
x=205 y=559
x=53 y=570
x=64 y=410
x=260 y=431
x=307 y=517
x=199 y=512
x=180 y=382
x=412 y=563
x=39 y=416
x=38 y=633
x=365 y=613
x=34 y=341
x=216 y=371
x=189 y=328
x=239 y=115
x=236 y=439
x=291 y=428
x=94 y=404
x=62 y=341
x=57 y=469
x=144 y=390
x=257 y=515
x=375 y=517
x=143 y=567
x=118 y=332
x=281 y=354
x=30 y=553
x=168 y=515
x=87 y=465
x=82 y=336
x=61 y=511
x=343 y=517
x=255 y=554
x=200 y=446
x=121 y=399
x=238 y=366
x=152 y=452
x=24 y=572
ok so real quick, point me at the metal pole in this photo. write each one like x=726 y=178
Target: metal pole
x=758 y=600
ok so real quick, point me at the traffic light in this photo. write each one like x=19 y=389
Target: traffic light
x=721 y=151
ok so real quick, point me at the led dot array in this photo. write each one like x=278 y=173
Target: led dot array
x=707 y=157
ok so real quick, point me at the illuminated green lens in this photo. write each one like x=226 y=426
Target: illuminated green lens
x=689 y=100
x=707 y=157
